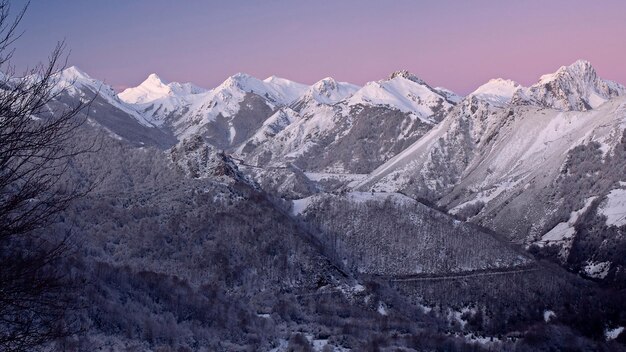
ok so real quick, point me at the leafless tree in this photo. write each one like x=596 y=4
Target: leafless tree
x=36 y=149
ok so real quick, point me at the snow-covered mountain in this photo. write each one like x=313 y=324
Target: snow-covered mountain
x=336 y=229
x=497 y=91
x=574 y=87
x=504 y=164
x=153 y=88
x=343 y=129
x=118 y=118
x=227 y=114
x=481 y=118
x=78 y=83
x=407 y=93
x=327 y=91
x=482 y=149
x=277 y=120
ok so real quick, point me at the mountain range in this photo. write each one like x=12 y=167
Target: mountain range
x=321 y=189
x=485 y=156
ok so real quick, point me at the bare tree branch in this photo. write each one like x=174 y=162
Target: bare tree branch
x=37 y=134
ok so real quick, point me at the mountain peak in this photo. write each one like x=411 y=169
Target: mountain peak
x=74 y=72
x=327 y=79
x=497 y=91
x=152 y=88
x=579 y=70
x=574 y=87
x=153 y=78
x=329 y=91
x=75 y=77
x=407 y=75
x=277 y=90
x=326 y=84
x=240 y=76
x=582 y=64
x=240 y=80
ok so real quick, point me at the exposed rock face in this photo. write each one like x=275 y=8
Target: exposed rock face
x=575 y=87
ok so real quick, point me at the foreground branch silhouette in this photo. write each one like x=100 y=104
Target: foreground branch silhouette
x=36 y=150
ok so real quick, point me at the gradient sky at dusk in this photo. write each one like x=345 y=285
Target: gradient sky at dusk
x=455 y=44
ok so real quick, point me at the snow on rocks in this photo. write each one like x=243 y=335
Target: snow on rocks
x=497 y=92
x=612 y=334
x=574 y=87
x=614 y=207
x=597 y=270
x=406 y=93
x=548 y=315
x=565 y=230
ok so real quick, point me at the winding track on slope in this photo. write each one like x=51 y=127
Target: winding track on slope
x=414 y=278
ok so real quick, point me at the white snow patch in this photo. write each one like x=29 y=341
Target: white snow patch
x=614 y=208
x=382 y=310
x=319 y=344
x=300 y=205
x=565 y=230
x=358 y=288
x=424 y=309
x=595 y=99
x=612 y=334
x=548 y=315
x=597 y=270
x=232 y=132
x=284 y=90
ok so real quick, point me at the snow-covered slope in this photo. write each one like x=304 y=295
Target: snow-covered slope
x=106 y=110
x=278 y=91
x=281 y=90
x=274 y=124
x=490 y=162
x=574 y=87
x=542 y=170
x=328 y=91
x=344 y=129
x=218 y=113
x=77 y=83
x=497 y=91
x=279 y=120
x=154 y=88
x=614 y=208
x=407 y=93
x=389 y=234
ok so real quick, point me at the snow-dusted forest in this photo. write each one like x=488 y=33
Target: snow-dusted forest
x=270 y=215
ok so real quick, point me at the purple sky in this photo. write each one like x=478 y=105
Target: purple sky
x=455 y=44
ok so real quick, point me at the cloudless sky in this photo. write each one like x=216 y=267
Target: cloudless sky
x=455 y=44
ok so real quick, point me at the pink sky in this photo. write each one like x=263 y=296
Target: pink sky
x=455 y=44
